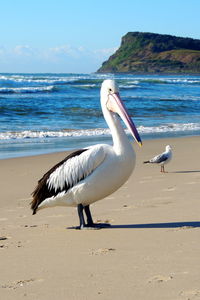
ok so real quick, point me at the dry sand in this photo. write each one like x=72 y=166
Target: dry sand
x=151 y=251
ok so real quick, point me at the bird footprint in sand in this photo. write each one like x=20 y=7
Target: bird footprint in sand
x=20 y=283
x=169 y=189
x=160 y=278
x=102 y=251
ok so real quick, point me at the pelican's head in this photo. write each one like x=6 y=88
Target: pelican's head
x=110 y=99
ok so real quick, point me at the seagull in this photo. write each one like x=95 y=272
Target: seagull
x=91 y=174
x=162 y=159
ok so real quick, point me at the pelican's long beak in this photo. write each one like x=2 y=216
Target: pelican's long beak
x=115 y=104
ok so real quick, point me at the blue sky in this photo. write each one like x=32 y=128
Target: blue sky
x=77 y=36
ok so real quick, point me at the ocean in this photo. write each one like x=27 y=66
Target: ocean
x=43 y=113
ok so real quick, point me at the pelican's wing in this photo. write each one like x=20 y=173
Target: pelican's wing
x=74 y=168
x=159 y=158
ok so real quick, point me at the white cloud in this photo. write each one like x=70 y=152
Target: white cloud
x=106 y=51
x=103 y=54
x=24 y=58
x=65 y=50
x=61 y=50
x=2 y=50
x=23 y=50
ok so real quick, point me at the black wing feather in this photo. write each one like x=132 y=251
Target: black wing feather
x=42 y=191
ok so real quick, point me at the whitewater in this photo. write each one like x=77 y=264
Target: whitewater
x=42 y=113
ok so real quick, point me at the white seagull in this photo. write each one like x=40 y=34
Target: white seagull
x=162 y=158
x=92 y=173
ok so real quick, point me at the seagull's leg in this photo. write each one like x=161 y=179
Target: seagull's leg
x=164 y=170
x=161 y=169
x=90 y=222
x=81 y=217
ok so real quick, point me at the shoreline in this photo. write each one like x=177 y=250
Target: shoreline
x=62 y=145
x=151 y=250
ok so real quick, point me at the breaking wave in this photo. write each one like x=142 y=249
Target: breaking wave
x=168 y=128
x=22 y=90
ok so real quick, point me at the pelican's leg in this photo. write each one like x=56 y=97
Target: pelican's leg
x=81 y=217
x=90 y=222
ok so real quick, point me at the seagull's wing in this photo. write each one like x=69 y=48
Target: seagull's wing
x=159 y=158
x=74 y=168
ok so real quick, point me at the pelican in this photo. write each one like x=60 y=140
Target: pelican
x=91 y=174
x=162 y=158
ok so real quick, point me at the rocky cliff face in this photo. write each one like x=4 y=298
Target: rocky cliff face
x=154 y=53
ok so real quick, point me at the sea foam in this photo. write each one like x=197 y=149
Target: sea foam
x=97 y=132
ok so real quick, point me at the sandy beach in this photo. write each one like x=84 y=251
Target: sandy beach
x=150 y=252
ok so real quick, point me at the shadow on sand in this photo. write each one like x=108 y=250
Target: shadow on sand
x=158 y=225
x=189 y=171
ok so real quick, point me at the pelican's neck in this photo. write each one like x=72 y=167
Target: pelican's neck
x=121 y=142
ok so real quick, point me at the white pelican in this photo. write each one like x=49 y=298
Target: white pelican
x=162 y=159
x=92 y=173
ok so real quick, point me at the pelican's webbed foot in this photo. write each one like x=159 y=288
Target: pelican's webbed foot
x=93 y=226
x=98 y=225
x=90 y=224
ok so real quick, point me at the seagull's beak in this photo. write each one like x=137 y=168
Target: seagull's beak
x=116 y=105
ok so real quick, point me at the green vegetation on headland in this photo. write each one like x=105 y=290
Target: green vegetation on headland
x=154 y=53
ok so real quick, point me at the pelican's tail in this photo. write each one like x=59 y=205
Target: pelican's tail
x=34 y=203
x=33 y=207
x=39 y=194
